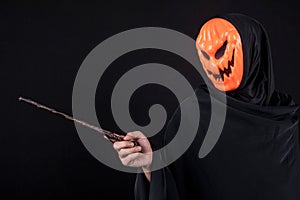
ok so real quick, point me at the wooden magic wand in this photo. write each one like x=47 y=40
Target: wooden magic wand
x=113 y=137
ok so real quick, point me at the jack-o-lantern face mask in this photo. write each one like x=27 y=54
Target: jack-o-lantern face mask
x=220 y=51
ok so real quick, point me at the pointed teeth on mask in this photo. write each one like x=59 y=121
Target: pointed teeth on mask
x=221 y=67
x=217 y=76
x=222 y=76
x=226 y=71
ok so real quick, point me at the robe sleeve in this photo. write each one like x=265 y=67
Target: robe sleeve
x=162 y=185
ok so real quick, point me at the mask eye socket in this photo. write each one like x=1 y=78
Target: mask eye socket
x=221 y=50
x=205 y=55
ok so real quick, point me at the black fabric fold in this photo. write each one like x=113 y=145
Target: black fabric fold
x=257 y=155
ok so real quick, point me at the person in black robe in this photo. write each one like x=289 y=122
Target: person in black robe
x=257 y=156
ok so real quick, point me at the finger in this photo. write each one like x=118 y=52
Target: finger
x=122 y=144
x=132 y=160
x=127 y=151
x=141 y=139
x=136 y=160
x=134 y=135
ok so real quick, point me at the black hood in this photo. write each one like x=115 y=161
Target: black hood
x=257 y=93
x=258 y=85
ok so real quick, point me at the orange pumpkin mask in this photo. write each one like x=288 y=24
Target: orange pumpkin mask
x=220 y=51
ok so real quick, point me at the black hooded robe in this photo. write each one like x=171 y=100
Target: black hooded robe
x=257 y=156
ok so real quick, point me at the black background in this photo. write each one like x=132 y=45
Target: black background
x=43 y=45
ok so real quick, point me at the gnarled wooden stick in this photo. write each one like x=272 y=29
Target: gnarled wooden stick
x=113 y=137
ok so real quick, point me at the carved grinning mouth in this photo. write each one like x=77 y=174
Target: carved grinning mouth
x=227 y=71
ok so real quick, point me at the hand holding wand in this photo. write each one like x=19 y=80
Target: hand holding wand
x=113 y=137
